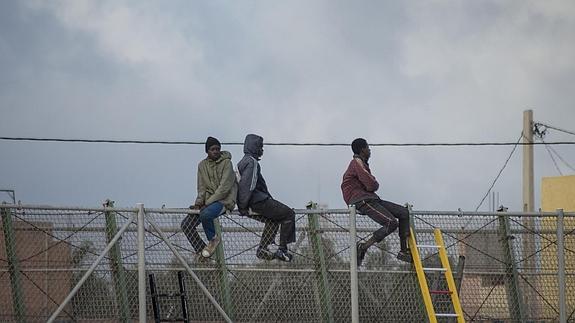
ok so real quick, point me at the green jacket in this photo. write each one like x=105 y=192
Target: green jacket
x=217 y=181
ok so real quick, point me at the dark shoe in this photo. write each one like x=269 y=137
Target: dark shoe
x=283 y=255
x=265 y=254
x=405 y=255
x=361 y=251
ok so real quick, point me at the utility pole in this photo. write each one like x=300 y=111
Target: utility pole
x=528 y=195
x=528 y=206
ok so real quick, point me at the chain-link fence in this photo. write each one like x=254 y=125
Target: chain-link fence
x=507 y=268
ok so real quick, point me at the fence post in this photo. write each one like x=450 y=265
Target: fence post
x=13 y=266
x=117 y=267
x=321 y=265
x=353 y=266
x=514 y=297
x=141 y=265
x=223 y=271
x=561 y=266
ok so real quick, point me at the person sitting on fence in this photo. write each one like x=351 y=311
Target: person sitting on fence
x=217 y=190
x=358 y=187
x=253 y=193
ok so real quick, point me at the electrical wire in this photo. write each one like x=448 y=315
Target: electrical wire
x=554 y=128
x=318 y=144
x=541 y=133
x=553 y=159
x=499 y=174
x=561 y=158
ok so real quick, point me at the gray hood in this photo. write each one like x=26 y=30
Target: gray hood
x=253 y=145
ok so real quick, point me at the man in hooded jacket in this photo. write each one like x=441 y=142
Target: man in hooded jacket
x=253 y=193
x=217 y=191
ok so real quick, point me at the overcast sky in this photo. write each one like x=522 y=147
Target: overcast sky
x=290 y=71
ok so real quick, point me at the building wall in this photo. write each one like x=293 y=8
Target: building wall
x=558 y=192
x=41 y=259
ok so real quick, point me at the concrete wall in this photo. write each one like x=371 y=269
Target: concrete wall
x=42 y=259
x=558 y=192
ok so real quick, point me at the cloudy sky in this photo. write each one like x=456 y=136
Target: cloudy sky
x=290 y=71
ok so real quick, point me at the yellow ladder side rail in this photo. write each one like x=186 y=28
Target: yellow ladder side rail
x=449 y=276
x=421 y=278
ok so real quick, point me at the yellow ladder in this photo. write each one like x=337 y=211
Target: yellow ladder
x=445 y=268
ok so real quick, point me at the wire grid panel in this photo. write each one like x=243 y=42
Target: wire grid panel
x=510 y=263
x=164 y=264
x=549 y=262
x=509 y=270
x=252 y=289
x=388 y=288
x=52 y=249
x=569 y=233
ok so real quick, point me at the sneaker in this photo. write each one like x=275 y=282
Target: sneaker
x=265 y=254
x=283 y=255
x=199 y=259
x=405 y=255
x=361 y=251
x=199 y=247
x=211 y=247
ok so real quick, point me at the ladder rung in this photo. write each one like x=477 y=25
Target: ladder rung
x=446 y=315
x=444 y=292
x=429 y=246
x=434 y=269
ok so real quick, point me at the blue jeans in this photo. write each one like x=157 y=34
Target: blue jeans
x=206 y=217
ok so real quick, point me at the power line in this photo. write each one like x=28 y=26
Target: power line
x=540 y=134
x=553 y=159
x=500 y=172
x=561 y=158
x=555 y=128
x=433 y=144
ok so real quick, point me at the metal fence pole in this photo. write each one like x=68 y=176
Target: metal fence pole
x=13 y=266
x=117 y=266
x=224 y=281
x=561 y=266
x=321 y=267
x=353 y=266
x=514 y=297
x=141 y=265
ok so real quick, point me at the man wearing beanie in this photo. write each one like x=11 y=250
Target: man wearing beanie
x=253 y=193
x=217 y=190
x=358 y=187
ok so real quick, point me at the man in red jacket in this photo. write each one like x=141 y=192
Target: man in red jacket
x=358 y=187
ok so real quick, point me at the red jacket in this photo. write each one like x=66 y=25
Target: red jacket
x=358 y=183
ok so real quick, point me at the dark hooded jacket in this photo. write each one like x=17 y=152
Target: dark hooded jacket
x=252 y=187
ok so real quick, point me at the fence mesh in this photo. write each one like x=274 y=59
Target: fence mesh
x=505 y=267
